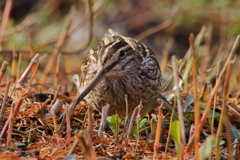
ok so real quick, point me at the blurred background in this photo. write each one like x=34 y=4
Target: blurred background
x=164 y=26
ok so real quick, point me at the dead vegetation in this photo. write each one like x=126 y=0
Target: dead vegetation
x=35 y=88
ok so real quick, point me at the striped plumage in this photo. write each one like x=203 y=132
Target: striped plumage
x=127 y=67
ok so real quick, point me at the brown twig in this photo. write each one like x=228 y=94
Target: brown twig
x=103 y=122
x=213 y=92
x=126 y=118
x=90 y=120
x=74 y=145
x=117 y=128
x=28 y=69
x=158 y=133
x=179 y=103
x=55 y=108
x=179 y=106
x=5 y=18
x=34 y=69
x=63 y=117
x=6 y=126
x=224 y=118
x=19 y=66
x=55 y=129
x=56 y=95
x=3 y=70
x=195 y=90
x=10 y=119
x=10 y=148
x=168 y=138
x=153 y=126
x=68 y=128
x=57 y=70
x=13 y=67
x=4 y=103
x=86 y=144
x=133 y=119
x=126 y=101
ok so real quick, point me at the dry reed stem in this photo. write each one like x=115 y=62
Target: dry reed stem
x=10 y=119
x=103 y=122
x=68 y=131
x=153 y=126
x=224 y=118
x=179 y=106
x=195 y=90
x=86 y=144
x=28 y=69
x=19 y=66
x=214 y=109
x=5 y=99
x=55 y=108
x=90 y=121
x=126 y=101
x=133 y=119
x=117 y=131
x=55 y=130
x=227 y=119
x=5 y=18
x=213 y=92
x=34 y=70
x=178 y=94
x=158 y=133
x=168 y=138
x=74 y=145
x=57 y=70
x=58 y=46
x=56 y=94
x=214 y=105
x=126 y=118
x=63 y=117
x=6 y=125
x=14 y=64
x=3 y=70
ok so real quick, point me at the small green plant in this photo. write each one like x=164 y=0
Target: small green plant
x=114 y=123
x=140 y=126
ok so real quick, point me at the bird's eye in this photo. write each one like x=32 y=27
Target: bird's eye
x=122 y=53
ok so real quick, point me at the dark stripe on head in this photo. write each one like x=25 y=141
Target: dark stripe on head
x=113 y=48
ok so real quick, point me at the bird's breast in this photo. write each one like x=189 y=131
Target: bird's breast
x=112 y=90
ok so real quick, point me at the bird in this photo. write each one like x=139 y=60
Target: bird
x=118 y=66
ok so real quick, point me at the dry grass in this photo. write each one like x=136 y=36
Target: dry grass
x=203 y=87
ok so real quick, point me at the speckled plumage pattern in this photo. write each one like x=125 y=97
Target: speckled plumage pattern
x=136 y=74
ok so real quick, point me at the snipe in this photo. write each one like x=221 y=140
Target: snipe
x=116 y=66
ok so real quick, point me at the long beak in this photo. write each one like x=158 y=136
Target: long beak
x=97 y=79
